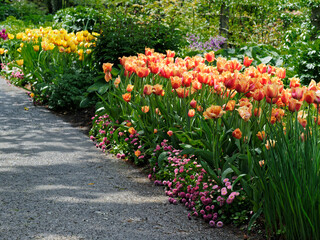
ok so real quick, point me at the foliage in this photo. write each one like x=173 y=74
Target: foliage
x=78 y=18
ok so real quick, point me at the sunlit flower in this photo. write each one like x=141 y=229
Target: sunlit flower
x=209 y=56
x=213 y=112
x=176 y=82
x=170 y=133
x=107 y=76
x=247 y=61
x=126 y=97
x=294 y=105
x=271 y=90
x=281 y=73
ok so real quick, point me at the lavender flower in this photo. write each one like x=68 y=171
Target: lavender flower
x=213 y=44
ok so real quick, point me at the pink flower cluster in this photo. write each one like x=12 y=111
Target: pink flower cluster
x=192 y=186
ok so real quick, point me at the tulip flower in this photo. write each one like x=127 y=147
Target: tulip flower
x=237 y=133
x=213 y=112
x=147 y=89
x=126 y=97
x=247 y=61
x=209 y=56
x=191 y=112
x=129 y=88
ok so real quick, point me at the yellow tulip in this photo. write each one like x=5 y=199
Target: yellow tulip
x=20 y=62
x=36 y=48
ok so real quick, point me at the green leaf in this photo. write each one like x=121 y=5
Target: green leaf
x=163 y=156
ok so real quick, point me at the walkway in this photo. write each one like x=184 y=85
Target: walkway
x=54 y=184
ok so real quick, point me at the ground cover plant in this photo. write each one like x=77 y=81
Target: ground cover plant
x=233 y=118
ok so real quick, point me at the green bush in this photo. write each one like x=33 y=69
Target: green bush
x=78 y=18
x=125 y=36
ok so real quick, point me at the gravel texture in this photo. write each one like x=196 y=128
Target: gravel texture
x=54 y=184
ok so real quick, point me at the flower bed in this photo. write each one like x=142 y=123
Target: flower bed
x=240 y=123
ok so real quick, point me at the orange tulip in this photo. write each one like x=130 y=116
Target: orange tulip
x=209 y=56
x=176 y=82
x=213 y=112
x=145 y=109
x=294 y=105
x=107 y=76
x=107 y=67
x=117 y=82
x=199 y=108
x=232 y=65
x=170 y=54
x=132 y=131
x=157 y=89
x=272 y=90
x=230 y=80
x=230 y=105
x=237 y=133
x=294 y=82
x=262 y=68
x=196 y=85
x=245 y=113
x=182 y=92
x=126 y=97
x=147 y=89
x=281 y=73
x=221 y=62
x=242 y=85
x=309 y=96
x=148 y=51
x=129 y=88
x=191 y=112
x=155 y=131
x=142 y=72
x=258 y=95
x=247 y=61
x=271 y=70
x=261 y=135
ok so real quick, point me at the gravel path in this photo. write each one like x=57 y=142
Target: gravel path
x=54 y=184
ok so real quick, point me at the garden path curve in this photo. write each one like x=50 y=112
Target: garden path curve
x=54 y=184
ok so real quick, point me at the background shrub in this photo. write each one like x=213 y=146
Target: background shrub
x=78 y=18
x=123 y=35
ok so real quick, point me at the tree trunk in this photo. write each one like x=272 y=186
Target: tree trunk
x=224 y=23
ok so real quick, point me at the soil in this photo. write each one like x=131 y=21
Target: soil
x=80 y=118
